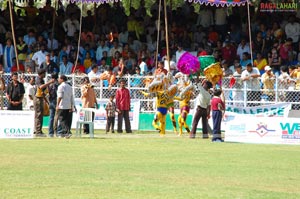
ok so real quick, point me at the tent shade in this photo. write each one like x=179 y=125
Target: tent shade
x=221 y=3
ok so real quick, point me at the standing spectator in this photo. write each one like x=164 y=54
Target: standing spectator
x=237 y=93
x=250 y=77
x=218 y=109
x=40 y=56
x=292 y=30
x=179 y=52
x=8 y=55
x=111 y=110
x=65 y=67
x=29 y=39
x=268 y=80
x=286 y=51
x=38 y=102
x=123 y=105
x=202 y=110
x=15 y=92
x=52 y=88
x=64 y=107
x=283 y=84
x=49 y=65
x=30 y=92
x=205 y=17
x=71 y=26
x=221 y=20
x=88 y=99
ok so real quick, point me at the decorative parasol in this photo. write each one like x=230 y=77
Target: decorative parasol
x=188 y=64
x=213 y=73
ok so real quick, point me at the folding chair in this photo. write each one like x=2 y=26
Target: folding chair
x=85 y=116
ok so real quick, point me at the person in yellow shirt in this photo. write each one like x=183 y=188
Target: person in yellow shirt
x=184 y=97
x=87 y=63
x=268 y=79
x=260 y=62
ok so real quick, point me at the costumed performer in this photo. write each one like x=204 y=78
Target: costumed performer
x=185 y=97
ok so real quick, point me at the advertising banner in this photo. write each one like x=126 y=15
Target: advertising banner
x=266 y=130
x=16 y=124
x=100 y=114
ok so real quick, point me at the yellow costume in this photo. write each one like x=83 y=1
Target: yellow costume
x=185 y=97
x=164 y=97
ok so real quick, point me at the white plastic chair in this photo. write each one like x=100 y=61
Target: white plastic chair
x=85 y=116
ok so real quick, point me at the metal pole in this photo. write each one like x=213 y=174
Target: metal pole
x=158 y=32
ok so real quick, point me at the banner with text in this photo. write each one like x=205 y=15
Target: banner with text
x=16 y=124
x=100 y=114
x=251 y=129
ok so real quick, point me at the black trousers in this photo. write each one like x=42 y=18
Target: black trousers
x=217 y=119
x=110 y=124
x=124 y=115
x=64 y=121
x=201 y=113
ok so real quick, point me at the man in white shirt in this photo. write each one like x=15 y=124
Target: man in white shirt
x=250 y=77
x=64 y=107
x=292 y=30
x=70 y=26
x=202 y=109
x=205 y=17
x=40 y=56
x=115 y=48
x=243 y=47
x=94 y=74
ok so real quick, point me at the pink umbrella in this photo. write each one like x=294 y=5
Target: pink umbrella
x=188 y=64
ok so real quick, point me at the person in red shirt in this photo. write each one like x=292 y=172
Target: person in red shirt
x=78 y=69
x=14 y=67
x=229 y=52
x=218 y=108
x=160 y=69
x=123 y=105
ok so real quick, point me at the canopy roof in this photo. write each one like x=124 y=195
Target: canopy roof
x=220 y=2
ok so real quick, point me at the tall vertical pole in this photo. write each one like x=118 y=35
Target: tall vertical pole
x=13 y=32
x=158 y=33
x=167 y=35
x=249 y=29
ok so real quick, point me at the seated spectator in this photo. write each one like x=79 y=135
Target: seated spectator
x=14 y=67
x=78 y=69
x=103 y=66
x=228 y=52
x=260 y=62
x=65 y=67
x=115 y=59
x=243 y=47
x=87 y=62
x=160 y=69
x=245 y=60
x=101 y=48
x=130 y=63
x=115 y=48
x=22 y=49
x=274 y=61
x=286 y=51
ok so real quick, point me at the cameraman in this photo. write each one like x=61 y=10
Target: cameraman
x=88 y=98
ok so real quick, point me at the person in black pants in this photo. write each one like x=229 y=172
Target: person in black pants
x=15 y=93
x=218 y=108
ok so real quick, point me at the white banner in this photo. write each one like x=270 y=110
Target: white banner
x=100 y=115
x=277 y=110
x=16 y=124
x=266 y=130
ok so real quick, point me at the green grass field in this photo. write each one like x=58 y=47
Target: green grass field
x=145 y=166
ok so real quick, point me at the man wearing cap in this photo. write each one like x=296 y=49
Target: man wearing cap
x=38 y=102
x=268 y=79
x=250 y=77
x=49 y=65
